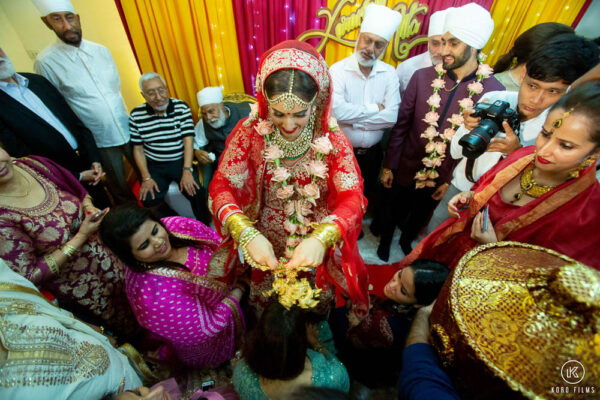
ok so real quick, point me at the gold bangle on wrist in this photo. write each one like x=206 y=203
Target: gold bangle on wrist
x=386 y=171
x=236 y=224
x=247 y=235
x=52 y=264
x=250 y=261
x=327 y=233
x=68 y=250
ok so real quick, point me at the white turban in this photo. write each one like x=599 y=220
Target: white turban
x=46 y=7
x=381 y=21
x=471 y=23
x=210 y=95
x=436 y=22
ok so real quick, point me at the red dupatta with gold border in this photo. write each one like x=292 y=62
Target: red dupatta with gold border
x=565 y=219
x=239 y=180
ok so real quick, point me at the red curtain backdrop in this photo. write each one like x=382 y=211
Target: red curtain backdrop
x=262 y=24
x=437 y=5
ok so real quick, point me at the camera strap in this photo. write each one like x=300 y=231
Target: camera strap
x=469 y=169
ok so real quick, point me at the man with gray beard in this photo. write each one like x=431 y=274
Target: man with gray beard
x=366 y=93
x=218 y=120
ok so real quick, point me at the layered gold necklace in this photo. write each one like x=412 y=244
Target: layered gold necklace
x=529 y=186
x=299 y=146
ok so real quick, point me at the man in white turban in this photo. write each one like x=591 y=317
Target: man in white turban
x=218 y=120
x=365 y=92
x=433 y=56
x=417 y=160
x=86 y=75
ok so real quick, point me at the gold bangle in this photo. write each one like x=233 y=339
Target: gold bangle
x=386 y=171
x=236 y=224
x=326 y=233
x=52 y=264
x=250 y=261
x=248 y=234
x=68 y=250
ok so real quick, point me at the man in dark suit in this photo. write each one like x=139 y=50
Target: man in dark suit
x=35 y=119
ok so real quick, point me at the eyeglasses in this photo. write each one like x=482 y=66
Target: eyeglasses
x=152 y=93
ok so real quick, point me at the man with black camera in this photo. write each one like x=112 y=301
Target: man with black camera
x=466 y=31
x=548 y=73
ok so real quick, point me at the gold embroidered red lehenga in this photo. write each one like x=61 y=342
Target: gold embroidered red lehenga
x=243 y=179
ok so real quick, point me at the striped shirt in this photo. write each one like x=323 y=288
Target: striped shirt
x=161 y=135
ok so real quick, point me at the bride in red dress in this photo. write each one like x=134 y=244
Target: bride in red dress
x=288 y=184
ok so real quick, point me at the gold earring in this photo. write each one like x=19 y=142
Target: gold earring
x=586 y=163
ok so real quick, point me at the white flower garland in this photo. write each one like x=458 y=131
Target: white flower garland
x=437 y=149
x=298 y=222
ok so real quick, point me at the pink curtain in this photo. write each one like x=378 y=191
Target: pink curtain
x=261 y=24
x=437 y=5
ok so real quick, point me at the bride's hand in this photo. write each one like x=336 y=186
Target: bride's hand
x=309 y=253
x=261 y=251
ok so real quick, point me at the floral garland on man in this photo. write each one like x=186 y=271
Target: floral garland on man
x=436 y=149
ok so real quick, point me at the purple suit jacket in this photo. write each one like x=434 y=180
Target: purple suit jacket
x=406 y=147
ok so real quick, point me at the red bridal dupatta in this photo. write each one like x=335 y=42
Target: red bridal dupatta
x=241 y=177
x=566 y=219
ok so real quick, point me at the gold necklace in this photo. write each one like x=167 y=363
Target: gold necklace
x=26 y=191
x=453 y=87
x=299 y=146
x=529 y=186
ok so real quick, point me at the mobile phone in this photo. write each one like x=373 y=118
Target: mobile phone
x=486 y=214
x=207 y=385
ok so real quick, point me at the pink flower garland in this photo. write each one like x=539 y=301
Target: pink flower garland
x=298 y=222
x=436 y=149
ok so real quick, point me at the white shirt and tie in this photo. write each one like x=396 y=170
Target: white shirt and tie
x=21 y=93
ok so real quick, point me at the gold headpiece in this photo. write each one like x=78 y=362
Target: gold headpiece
x=559 y=121
x=290 y=98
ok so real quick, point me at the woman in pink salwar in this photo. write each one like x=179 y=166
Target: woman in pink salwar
x=171 y=289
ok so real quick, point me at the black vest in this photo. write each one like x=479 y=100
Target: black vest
x=216 y=137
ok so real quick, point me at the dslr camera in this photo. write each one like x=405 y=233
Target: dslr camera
x=475 y=142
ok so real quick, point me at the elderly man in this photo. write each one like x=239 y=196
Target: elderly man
x=86 y=75
x=218 y=120
x=162 y=134
x=466 y=31
x=35 y=119
x=432 y=56
x=365 y=91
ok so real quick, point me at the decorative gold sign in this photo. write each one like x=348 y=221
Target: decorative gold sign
x=337 y=25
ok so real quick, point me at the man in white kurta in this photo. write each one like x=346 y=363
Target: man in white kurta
x=366 y=95
x=432 y=56
x=86 y=75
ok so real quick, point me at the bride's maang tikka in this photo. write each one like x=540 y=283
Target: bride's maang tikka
x=289 y=99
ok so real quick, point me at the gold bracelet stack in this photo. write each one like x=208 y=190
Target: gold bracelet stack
x=327 y=233
x=68 y=250
x=250 y=261
x=52 y=264
x=247 y=235
x=236 y=224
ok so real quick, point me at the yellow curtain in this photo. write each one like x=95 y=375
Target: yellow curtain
x=191 y=43
x=511 y=18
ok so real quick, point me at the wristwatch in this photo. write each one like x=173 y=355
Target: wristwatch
x=188 y=169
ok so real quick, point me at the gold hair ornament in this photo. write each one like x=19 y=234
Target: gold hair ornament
x=289 y=98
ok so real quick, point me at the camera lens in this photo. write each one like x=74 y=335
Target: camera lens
x=476 y=141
